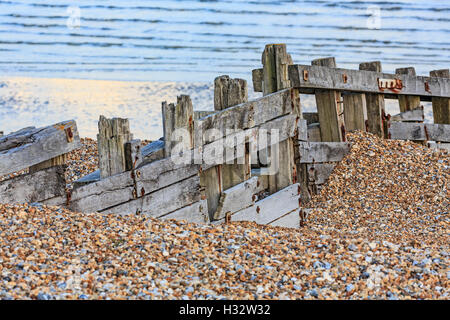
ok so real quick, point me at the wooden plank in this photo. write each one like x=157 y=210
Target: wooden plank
x=365 y=81
x=314 y=132
x=239 y=197
x=302 y=128
x=416 y=115
x=162 y=201
x=375 y=104
x=319 y=173
x=441 y=146
x=290 y=220
x=56 y=161
x=419 y=131
x=153 y=151
x=244 y=116
x=330 y=108
x=194 y=213
x=441 y=106
x=175 y=117
x=355 y=111
x=211 y=183
x=317 y=152
x=227 y=93
x=31 y=146
x=30 y=187
x=407 y=103
x=272 y=207
x=111 y=138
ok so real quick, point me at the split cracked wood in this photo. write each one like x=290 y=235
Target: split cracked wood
x=419 y=131
x=31 y=146
x=34 y=187
x=318 y=152
x=111 y=138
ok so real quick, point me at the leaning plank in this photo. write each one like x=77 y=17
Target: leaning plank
x=31 y=146
x=415 y=115
x=245 y=115
x=29 y=187
x=419 y=131
x=316 y=152
x=319 y=77
x=194 y=213
x=238 y=197
x=272 y=207
x=153 y=151
x=290 y=220
x=257 y=78
x=162 y=201
x=320 y=172
x=442 y=146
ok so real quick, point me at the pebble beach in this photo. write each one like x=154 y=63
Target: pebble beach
x=378 y=230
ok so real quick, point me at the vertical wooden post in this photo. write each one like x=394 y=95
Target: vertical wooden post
x=179 y=116
x=330 y=108
x=227 y=93
x=276 y=60
x=113 y=133
x=355 y=111
x=407 y=103
x=374 y=104
x=441 y=106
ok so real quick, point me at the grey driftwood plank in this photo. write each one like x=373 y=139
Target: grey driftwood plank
x=410 y=115
x=319 y=77
x=31 y=146
x=316 y=152
x=195 y=213
x=31 y=188
x=442 y=146
x=290 y=220
x=238 y=197
x=244 y=116
x=162 y=201
x=272 y=207
x=419 y=131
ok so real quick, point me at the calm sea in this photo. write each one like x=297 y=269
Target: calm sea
x=185 y=40
x=156 y=50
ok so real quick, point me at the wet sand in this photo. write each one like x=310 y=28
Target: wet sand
x=41 y=101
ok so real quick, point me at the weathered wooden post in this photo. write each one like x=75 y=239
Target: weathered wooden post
x=276 y=60
x=330 y=108
x=355 y=111
x=407 y=103
x=374 y=104
x=441 y=106
x=227 y=93
x=179 y=116
x=111 y=139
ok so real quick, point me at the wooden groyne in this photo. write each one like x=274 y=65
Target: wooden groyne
x=258 y=160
